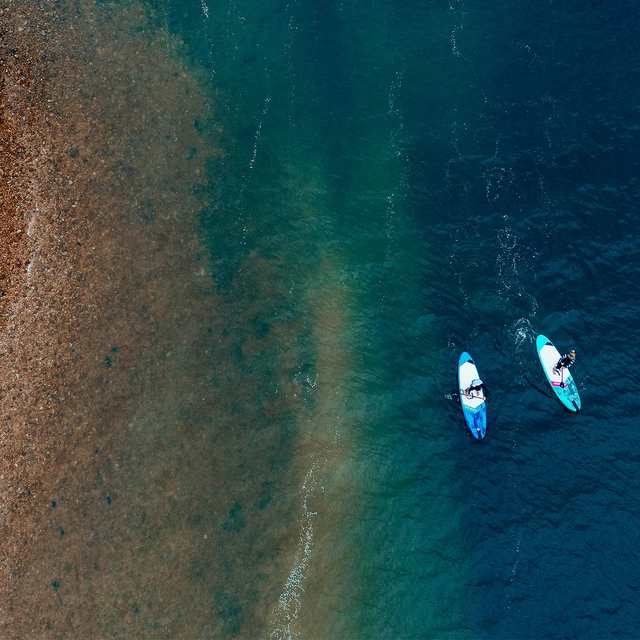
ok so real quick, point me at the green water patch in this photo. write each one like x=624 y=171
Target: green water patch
x=376 y=227
x=395 y=500
x=321 y=269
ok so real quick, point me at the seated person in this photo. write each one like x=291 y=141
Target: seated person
x=476 y=390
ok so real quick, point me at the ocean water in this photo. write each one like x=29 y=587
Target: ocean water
x=379 y=187
x=431 y=178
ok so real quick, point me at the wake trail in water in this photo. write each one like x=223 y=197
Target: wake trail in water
x=510 y=262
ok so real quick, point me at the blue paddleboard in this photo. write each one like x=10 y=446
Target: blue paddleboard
x=474 y=408
x=562 y=383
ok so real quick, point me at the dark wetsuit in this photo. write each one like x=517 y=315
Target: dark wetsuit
x=480 y=388
x=565 y=362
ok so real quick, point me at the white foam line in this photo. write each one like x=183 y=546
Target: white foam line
x=32 y=222
x=247 y=174
x=288 y=607
x=256 y=137
x=31 y=233
x=457 y=27
x=399 y=191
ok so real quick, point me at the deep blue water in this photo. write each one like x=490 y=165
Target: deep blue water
x=401 y=182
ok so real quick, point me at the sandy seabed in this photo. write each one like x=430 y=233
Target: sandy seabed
x=139 y=497
x=99 y=256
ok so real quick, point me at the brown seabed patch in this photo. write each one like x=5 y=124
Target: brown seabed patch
x=103 y=316
x=19 y=147
x=119 y=515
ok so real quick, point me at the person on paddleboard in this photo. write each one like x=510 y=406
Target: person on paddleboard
x=476 y=390
x=565 y=362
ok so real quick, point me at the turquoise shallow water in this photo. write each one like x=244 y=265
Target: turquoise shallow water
x=399 y=183
x=316 y=182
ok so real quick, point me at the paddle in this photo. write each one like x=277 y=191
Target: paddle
x=562 y=383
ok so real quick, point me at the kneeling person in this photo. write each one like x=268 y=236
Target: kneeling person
x=476 y=390
x=565 y=362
